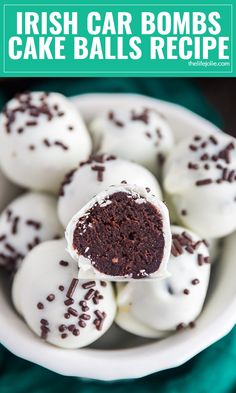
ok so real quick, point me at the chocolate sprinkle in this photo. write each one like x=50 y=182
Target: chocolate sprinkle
x=99 y=314
x=111 y=117
x=143 y=116
x=82 y=324
x=180 y=326
x=72 y=287
x=72 y=311
x=213 y=140
x=68 y=302
x=15 y=225
x=161 y=159
x=98 y=323
x=50 y=297
x=67 y=180
x=35 y=224
x=46 y=142
x=200 y=259
x=89 y=294
x=71 y=327
x=193 y=147
x=99 y=169
x=44 y=322
x=192 y=166
x=203 y=182
x=63 y=263
x=62 y=328
x=61 y=144
x=86 y=317
x=89 y=284
x=44 y=332
x=31 y=123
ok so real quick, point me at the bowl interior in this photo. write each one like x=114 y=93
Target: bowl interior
x=110 y=357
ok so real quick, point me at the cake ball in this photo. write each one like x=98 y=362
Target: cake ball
x=200 y=179
x=157 y=308
x=95 y=175
x=8 y=191
x=123 y=233
x=140 y=134
x=61 y=309
x=42 y=138
x=27 y=221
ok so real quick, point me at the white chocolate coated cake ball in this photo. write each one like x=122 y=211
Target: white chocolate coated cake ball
x=95 y=175
x=42 y=138
x=121 y=234
x=61 y=309
x=141 y=135
x=160 y=307
x=200 y=179
x=27 y=221
x=8 y=191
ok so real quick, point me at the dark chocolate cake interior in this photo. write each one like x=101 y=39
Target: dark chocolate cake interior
x=122 y=238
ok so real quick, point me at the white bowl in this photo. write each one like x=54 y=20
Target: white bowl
x=119 y=355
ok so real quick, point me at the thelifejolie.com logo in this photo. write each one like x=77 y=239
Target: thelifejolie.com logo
x=118 y=40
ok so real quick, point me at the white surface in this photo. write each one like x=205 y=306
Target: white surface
x=216 y=320
x=209 y=205
x=31 y=206
x=136 y=140
x=84 y=184
x=44 y=167
x=40 y=275
x=153 y=305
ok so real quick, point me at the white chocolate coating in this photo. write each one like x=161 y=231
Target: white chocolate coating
x=42 y=138
x=140 y=135
x=86 y=268
x=28 y=220
x=165 y=305
x=209 y=209
x=41 y=275
x=8 y=191
x=86 y=182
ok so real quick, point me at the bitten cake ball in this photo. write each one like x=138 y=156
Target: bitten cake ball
x=155 y=308
x=200 y=178
x=42 y=137
x=26 y=222
x=141 y=135
x=95 y=175
x=8 y=191
x=121 y=234
x=61 y=309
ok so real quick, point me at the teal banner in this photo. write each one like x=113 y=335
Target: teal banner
x=117 y=39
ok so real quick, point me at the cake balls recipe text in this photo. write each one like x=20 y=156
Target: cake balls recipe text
x=118 y=35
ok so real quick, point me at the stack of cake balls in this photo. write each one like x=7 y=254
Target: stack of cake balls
x=84 y=232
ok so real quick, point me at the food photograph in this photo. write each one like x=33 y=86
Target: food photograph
x=117 y=235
